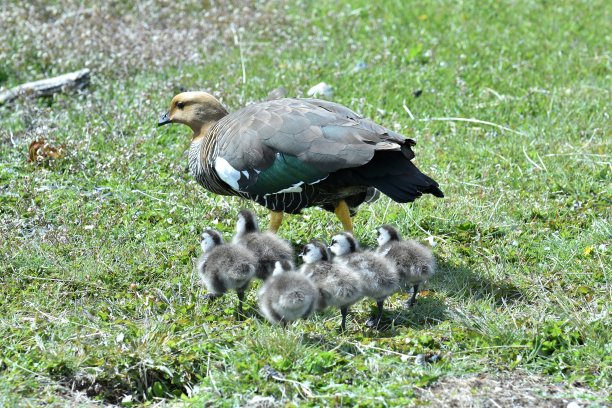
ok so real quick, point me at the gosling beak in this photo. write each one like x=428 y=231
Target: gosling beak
x=164 y=120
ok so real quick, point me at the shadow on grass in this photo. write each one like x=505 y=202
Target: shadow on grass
x=451 y=282
x=463 y=283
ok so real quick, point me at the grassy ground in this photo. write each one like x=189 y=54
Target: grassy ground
x=98 y=299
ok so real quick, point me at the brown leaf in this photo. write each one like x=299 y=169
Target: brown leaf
x=40 y=151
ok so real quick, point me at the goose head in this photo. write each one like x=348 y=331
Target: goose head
x=209 y=239
x=281 y=267
x=198 y=110
x=246 y=223
x=387 y=233
x=342 y=244
x=314 y=251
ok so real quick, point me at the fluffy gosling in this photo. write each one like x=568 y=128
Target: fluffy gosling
x=287 y=295
x=225 y=266
x=267 y=247
x=338 y=285
x=414 y=261
x=379 y=275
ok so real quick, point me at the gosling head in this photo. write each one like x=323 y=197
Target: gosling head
x=246 y=223
x=387 y=233
x=314 y=251
x=198 y=110
x=281 y=267
x=210 y=239
x=344 y=243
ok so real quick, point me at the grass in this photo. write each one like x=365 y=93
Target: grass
x=98 y=299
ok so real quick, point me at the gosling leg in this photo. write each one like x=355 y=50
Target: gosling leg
x=210 y=296
x=375 y=321
x=412 y=299
x=344 y=312
x=240 y=301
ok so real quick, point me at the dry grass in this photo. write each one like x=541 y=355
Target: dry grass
x=494 y=390
x=117 y=40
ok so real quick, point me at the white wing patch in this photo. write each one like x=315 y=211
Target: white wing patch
x=296 y=188
x=227 y=173
x=293 y=189
x=318 y=181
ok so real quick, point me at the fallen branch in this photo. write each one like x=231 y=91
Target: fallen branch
x=47 y=87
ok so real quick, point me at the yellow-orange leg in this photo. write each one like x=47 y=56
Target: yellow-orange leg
x=344 y=215
x=276 y=219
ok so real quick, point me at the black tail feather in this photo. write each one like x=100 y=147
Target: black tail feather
x=396 y=176
x=406 y=186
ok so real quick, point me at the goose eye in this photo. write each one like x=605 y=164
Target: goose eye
x=180 y=105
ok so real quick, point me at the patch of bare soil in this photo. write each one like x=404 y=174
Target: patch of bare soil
x=516 y=389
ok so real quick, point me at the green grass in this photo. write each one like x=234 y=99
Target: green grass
x=98 y=297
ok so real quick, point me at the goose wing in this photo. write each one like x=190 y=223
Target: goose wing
x=275 y=146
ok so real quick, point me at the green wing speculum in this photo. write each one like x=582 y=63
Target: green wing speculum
x=286 y=174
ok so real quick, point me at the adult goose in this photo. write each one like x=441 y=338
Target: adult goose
x=288 y=154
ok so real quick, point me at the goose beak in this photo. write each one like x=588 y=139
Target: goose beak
x=165 y=119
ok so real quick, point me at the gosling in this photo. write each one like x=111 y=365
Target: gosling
x=267 y=247
x=225 y=266
x=287 y=295
x=414 y=261
x=338 y=285
x=379 y=275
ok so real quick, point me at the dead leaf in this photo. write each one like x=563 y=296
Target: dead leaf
x=41 y=151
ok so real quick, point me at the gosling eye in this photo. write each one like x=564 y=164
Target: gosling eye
x=180 y=105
